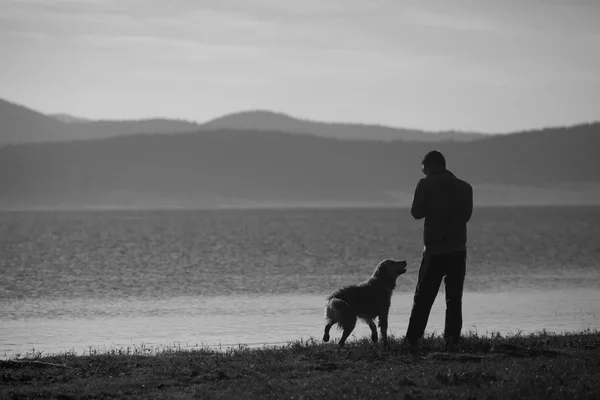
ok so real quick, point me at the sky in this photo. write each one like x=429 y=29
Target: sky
x=473 y=65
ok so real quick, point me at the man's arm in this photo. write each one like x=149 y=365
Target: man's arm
x=468 y=204
x=418 y=208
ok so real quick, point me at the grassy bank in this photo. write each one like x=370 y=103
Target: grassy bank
x=542 y=365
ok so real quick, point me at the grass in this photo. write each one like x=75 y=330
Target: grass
x=539 y=366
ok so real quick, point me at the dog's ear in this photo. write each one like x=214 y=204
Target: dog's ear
x=380 y=270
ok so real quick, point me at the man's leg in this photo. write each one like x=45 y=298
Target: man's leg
x=430 y=278
x=455 y=269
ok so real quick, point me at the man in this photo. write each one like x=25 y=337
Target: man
x=446 y=203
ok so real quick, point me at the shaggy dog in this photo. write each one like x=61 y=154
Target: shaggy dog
x=366 y=301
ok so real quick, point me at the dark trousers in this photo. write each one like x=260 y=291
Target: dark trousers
x=452 y=268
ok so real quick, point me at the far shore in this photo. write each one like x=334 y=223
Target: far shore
x=266 y=207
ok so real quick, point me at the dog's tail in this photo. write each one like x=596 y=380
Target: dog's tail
x=338 y=311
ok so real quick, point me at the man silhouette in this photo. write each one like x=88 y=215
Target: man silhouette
x=446 y=203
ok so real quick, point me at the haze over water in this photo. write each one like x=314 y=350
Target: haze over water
x=74 y=280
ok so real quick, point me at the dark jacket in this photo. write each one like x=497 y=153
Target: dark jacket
x=446 y=203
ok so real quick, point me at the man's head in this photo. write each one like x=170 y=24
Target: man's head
x=433 y=161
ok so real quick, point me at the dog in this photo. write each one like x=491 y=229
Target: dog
x=367 y=301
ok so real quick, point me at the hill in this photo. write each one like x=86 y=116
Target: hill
x=19 y=124
x=67 y=118
x=109 y=128
x=246 y=168
x=270 y=121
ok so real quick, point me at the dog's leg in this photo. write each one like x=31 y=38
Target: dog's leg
x=349 y=325
x=383 y=325
x=327 y=328
x=374 y=337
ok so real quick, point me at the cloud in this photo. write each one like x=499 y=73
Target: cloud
x=169 y=47
x=29 y=35
x=456 y=21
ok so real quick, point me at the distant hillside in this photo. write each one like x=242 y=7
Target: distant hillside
x=109 y=128
x=66 y=118
x=270 y=121
x=20 y=124
x=242 y=167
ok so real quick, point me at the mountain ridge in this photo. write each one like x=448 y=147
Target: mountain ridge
x=68 y=118
x=20 y=124
x=217 y=168
x=278 y=121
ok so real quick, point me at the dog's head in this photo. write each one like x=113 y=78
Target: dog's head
x=390 y=270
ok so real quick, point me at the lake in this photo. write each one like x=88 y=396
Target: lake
x=75 y=280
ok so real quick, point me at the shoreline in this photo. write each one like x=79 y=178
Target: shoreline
x=538 y=365
x=194 y=323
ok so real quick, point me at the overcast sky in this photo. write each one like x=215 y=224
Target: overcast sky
x=492 y=66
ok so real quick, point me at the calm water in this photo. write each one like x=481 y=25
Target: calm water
x=71 y=280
